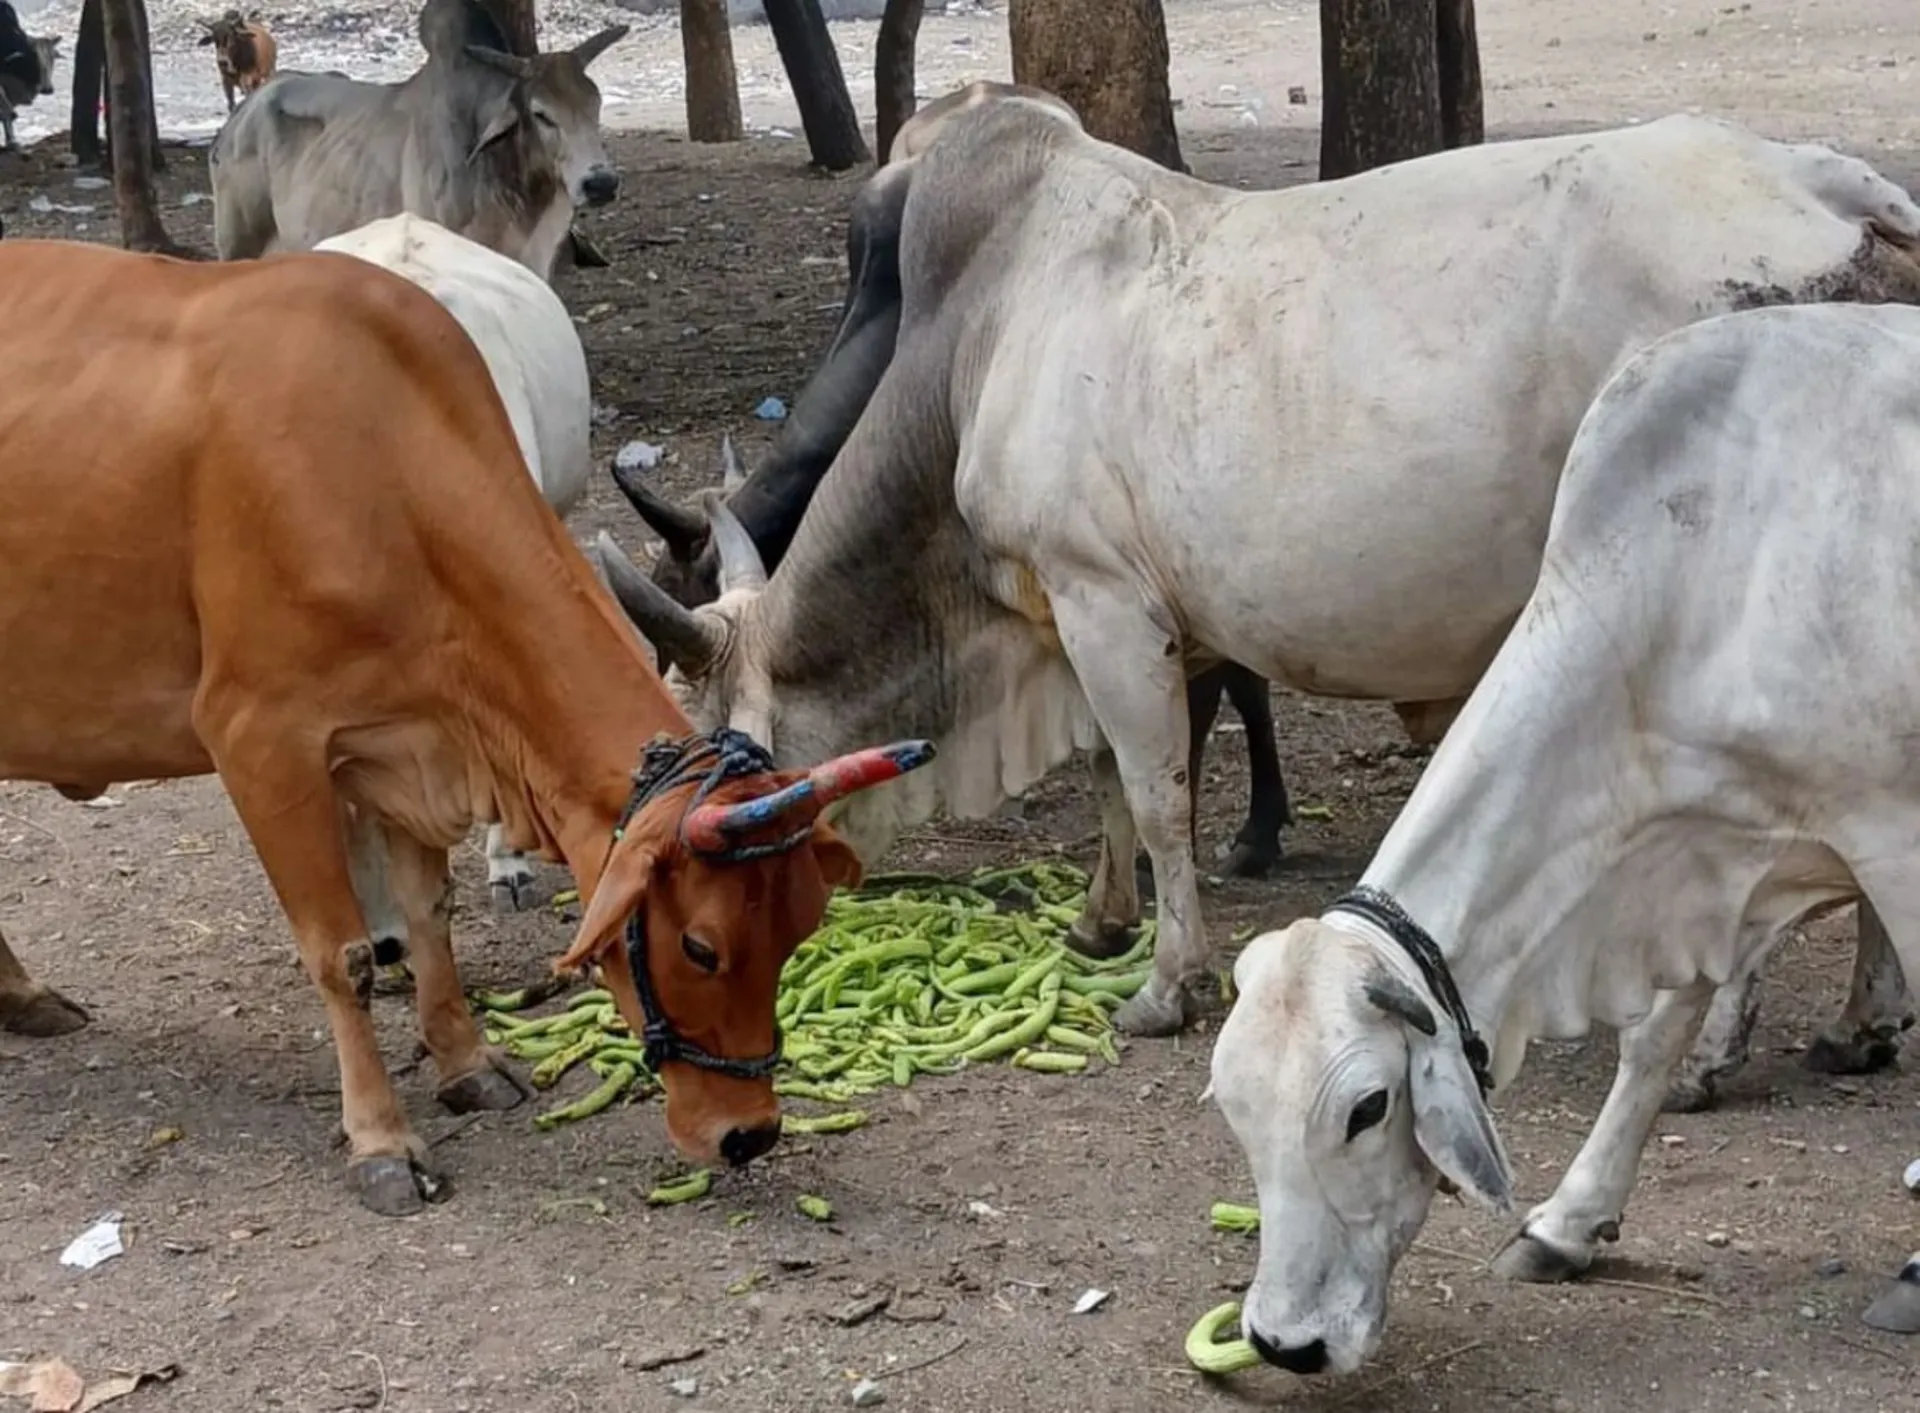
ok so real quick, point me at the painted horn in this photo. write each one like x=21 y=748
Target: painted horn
x=710 y=828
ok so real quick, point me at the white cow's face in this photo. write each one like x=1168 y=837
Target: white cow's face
x=1346 y=1086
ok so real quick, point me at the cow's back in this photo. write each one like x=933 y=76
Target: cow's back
x=196 y=460
x=520 y=327
x=1384 y=371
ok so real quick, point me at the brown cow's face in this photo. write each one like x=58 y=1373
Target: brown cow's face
x=717 y=936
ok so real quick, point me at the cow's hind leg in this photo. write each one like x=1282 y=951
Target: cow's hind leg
x=1722 y=1047
x=1560 y=1237
x=1130 y=666
x=1256 y=848
x=27 y=1007
x=288 y=805
x=1112 y=908
x=472 y=1076
x=509 y=873
x=1866 y=1035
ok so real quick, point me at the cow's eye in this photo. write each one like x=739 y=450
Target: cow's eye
x=540 y=116
x=699 y=953
x=1368 y=1112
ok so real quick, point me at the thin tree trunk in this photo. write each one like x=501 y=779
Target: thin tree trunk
x=893 y=97
x=1380 y=74
x=516 y=21
x=89 y=73
x=156 y=159
x=130 y=120
x=1463 y=114
x=713 y=92
x=1108 y=60
x=819 y=87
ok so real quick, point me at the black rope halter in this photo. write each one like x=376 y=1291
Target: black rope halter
x=1380 y=908
x=667 y=764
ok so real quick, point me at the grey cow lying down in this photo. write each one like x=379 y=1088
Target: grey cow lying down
x=495 y=147
x=1700 y=730
x=1134 y=421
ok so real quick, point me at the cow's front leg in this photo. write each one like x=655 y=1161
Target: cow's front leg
x=1866 y=1036
x=287 y=803
x=472 y=1076
x=1559 y=1238
x=1722 y=1047
x=1130 y=667
x=509 y=873
x=1112 y=909
x=27 y=1007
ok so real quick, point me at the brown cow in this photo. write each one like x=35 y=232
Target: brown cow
x=316 y=564
x=243 y=49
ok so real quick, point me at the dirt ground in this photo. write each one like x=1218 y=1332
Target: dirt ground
x=546 y=1285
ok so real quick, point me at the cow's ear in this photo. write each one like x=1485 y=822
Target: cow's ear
x=204 y=39
x=502 y=117
x=839 y=864
x=621 y=890
x=1451 y=1123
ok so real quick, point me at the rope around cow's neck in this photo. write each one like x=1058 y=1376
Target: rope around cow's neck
x=667 y=764
x=1380 y=908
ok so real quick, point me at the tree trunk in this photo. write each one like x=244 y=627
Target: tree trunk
x=130 y=121
x=1380 y=73
x=713 y=93
x=1108 y=60
x=89 y=71
x=515 y=18
x=156 y=159
x=819 y=87
x=1463 y=114
x=893 y=98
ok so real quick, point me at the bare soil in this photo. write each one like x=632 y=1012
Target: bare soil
x=547 y=1285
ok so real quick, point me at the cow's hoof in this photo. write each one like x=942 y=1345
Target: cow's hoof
x=394 y=1187
x=43 y=1014
x=1249 y=859
x=1152 y=1015
x=512 y=894
x=1865 y=1052
x=1099 y=939
x=1897 y=1311
x=1527 y=1258
x=492 y=1089
x=1690 y=1094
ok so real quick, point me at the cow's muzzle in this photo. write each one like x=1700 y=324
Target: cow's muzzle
x=602 y=184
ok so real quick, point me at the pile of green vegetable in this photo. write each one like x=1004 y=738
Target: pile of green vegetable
x=910 y=975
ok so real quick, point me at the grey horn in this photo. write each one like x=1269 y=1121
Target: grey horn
x=1396 y=998
x=685 y=531
x=734 y=475
x=511 y=64
x=594 y=45
x=681 y=636
x=740 y=564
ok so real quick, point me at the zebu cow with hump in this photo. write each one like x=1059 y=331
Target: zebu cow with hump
x=770 y=502
x=1134 y=422
x=1699 y=732
x=540 y=371
x=377 y=634
x=495 y=147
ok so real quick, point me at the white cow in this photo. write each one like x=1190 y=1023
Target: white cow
x=539 y=368
x=1135 y=422
x=1701 y=730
